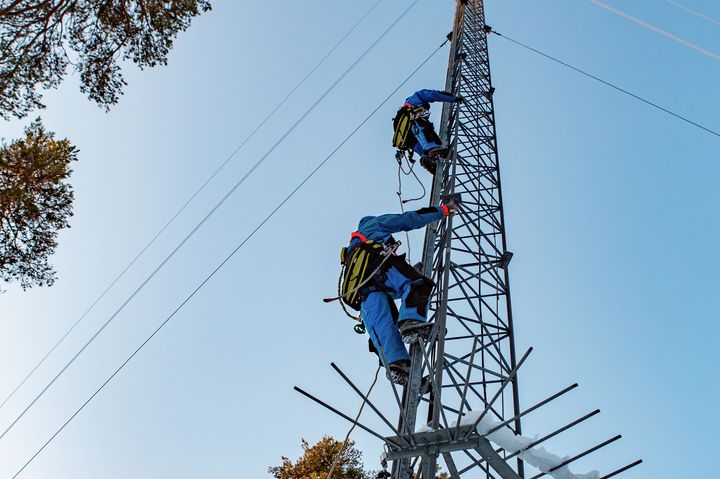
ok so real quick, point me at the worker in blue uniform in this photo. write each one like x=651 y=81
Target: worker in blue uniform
x=396 y=279
x=422 y=138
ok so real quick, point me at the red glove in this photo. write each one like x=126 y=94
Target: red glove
x=449 y=208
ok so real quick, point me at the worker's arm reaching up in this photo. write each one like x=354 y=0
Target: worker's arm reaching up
x=380 y=227
x=425 y=97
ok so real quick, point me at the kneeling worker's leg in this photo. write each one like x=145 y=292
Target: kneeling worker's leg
x=425 y=134
x=418 y=141
x=414 y=289
x=415 y=302
x=417 y=147
x=379 y=323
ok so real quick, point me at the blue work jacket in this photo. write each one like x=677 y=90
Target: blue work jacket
x=423 y=98
x=381 y=228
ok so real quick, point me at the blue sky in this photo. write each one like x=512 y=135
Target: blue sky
x=610 y=209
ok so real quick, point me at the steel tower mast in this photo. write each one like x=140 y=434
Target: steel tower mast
x=473 y=352
x=469 y=359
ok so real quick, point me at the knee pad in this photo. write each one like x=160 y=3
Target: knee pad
x=419 y=296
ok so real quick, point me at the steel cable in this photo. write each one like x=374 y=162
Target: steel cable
x=191 y=199
x=657 y=29
x=212 y=211
x=228 y=257
x=604 y=82
x=694 y=12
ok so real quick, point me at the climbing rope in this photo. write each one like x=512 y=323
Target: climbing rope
x=399 y=156
x=347 y=436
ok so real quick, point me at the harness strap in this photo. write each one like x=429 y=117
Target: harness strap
x=359 y=236
x=390 y=253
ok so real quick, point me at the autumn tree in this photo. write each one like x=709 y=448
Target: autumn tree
x=39 y=39
x=317 y=460
x=35 y=203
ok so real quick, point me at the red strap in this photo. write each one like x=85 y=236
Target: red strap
x=445 y=210
x=409 y=105
x=359 y=236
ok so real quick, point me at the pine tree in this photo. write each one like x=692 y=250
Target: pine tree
x=39 y=39
x=317 y=460
x=35 y=203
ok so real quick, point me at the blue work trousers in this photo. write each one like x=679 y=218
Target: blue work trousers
x=424 y=141
x=378 y=319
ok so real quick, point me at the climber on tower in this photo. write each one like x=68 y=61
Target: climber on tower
x=413 y=131
x=374 y=276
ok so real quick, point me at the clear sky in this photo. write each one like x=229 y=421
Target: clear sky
x=611 y=211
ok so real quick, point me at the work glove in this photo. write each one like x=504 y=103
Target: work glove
x=452 y=206
x=459 y=99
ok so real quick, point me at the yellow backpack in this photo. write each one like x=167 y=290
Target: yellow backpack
x=402 y=124
x=364 y=261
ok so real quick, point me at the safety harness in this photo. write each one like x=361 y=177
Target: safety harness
x=360 y=265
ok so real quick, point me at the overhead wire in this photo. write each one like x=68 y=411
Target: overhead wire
x=656 y=29
x=287 y=198
x=694 y=12
x=192 y=198
x=607 y=83
x=214 y=209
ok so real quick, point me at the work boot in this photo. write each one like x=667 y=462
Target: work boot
x=438 y=152
x=429 y=164
x=399 y=373
x=411 y=330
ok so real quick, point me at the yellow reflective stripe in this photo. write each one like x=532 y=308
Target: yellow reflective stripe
x=356 y=269
x=401 y=132
x=358 y=278
x=404 y=131
x=353 y=276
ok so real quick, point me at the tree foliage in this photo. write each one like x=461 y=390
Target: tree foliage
x=40 y=38
x=317 y=460
x=35 y=203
